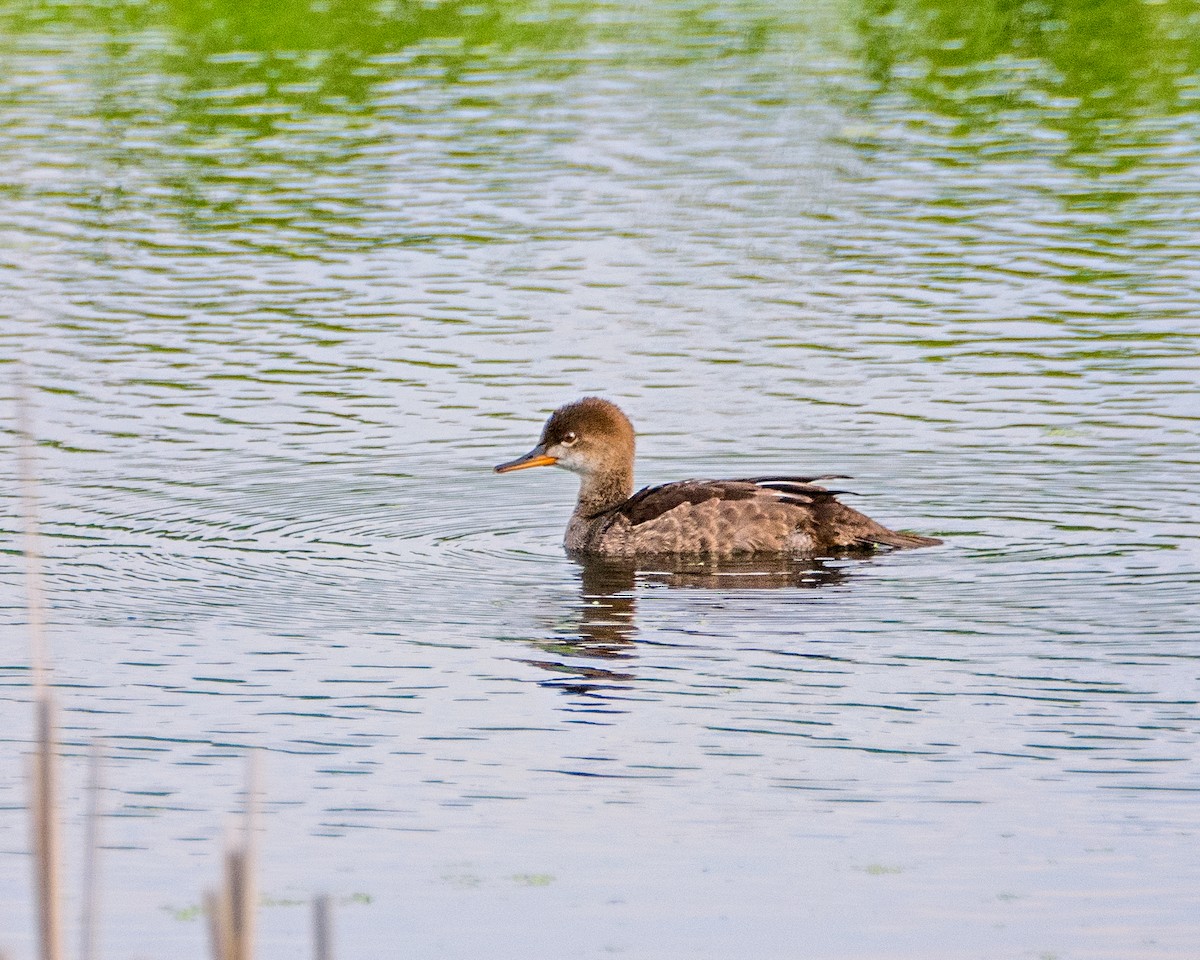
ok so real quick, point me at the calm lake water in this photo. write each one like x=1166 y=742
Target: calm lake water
x=289 y=278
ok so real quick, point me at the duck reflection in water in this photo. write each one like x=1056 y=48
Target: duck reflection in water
x=606 y=628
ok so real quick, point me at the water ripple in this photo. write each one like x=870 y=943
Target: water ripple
x=286 y=290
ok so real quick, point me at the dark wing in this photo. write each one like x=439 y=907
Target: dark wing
x=815 y=511
x=801 y=490
x=845 y=526
x=650 y=503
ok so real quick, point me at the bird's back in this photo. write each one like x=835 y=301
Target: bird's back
x=726 y=518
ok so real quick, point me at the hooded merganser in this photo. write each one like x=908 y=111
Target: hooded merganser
x=714 y=518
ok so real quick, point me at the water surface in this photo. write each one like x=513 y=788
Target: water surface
x=288 y=281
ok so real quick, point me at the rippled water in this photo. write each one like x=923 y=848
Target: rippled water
x=288 y=281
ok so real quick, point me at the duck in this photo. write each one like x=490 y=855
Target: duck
x=718 y=519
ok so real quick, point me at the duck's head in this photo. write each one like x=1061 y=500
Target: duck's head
x=589 y=437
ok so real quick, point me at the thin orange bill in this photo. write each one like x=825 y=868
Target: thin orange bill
x=534 y=458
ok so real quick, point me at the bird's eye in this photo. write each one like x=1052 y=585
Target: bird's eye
x=568 y=439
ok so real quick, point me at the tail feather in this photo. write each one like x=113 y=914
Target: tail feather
x=901 y=541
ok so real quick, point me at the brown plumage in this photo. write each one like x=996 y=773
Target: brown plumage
x=715 y=518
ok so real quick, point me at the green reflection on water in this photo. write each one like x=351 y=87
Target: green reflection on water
x=333 y=56
x=236 y=109
x=319 y=55
x=1106 y=58
x=1089 y=69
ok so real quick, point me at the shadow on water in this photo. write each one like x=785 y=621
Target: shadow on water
x=606 y=628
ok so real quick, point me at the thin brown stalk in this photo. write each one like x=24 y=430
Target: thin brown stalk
x=323 y=927
x=232 y=909
x=34 y=590
x=248 y=889
x=235 y=900
x=220 y=932
x=45 y=834
x=44 y=799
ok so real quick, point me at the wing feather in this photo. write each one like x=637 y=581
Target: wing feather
x=650 y=503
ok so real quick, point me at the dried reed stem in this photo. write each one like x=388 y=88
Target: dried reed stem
x=323 y=927
x=248 y=889
x=44 y=799
x=220 y=931
x=45 y=834
x=34 y=590
x=231 y=909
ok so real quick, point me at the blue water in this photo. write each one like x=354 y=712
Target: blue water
x=286 y=284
